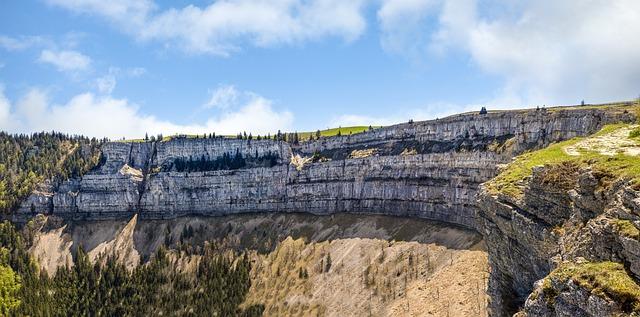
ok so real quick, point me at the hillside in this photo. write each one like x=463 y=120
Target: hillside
x=29 y=160
x=301 y=264
x=573 y=209
x=551 y=192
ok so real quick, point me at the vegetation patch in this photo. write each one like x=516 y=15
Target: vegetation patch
x=304 y=136
x=512 y=179
x=216 y=287
x=604 y=279
x=27 y=160
x=224 y=162
x=626 y=228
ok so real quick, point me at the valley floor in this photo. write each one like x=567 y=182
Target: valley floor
x=305 y=265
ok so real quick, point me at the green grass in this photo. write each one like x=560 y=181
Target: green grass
x=626 y=228
x=510 y=180
x=334 y=131
x=622 y=105
x=302 y=135
x=131 y=141
x=602 y=279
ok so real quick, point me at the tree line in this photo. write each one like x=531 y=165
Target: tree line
x=26 y=160
x=224 y=162
x=216 y=287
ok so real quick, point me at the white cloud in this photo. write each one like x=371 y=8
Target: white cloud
x=257 y=117
x=221 y=27
x=136 y=71
x=5 y=109
x=21 y=43
x=402 y=25
x=106 y=84
x=65 y=60
x=124 y=13
x=222 y=97
x=545 y=50
x=100 y=116
x=431 y=111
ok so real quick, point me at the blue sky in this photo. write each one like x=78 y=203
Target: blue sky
x=122 y=68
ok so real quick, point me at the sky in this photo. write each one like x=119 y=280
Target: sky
x=123 y=68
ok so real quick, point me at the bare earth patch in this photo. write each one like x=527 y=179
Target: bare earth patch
x=52 y=249
x=616 y=142
x=363 y=153
x=305 y=265
x=299 y=161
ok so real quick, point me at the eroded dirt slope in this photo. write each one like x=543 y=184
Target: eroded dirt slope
x=304 y=265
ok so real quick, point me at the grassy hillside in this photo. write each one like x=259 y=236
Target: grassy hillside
x=302 y=136
x=613 y=151
x=336 y=131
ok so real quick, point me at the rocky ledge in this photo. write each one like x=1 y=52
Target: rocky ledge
x=431 y=169
x=568 y=245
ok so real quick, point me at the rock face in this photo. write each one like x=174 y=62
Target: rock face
x=529 y=237
x=434 y=186
x=431 y=169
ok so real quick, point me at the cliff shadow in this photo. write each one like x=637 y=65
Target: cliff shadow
x=262 y=232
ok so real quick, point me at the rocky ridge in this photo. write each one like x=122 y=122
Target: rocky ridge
x=569 y=244
x=431 y=169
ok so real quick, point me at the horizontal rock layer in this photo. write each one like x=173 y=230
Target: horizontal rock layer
x=527 y=238
x=439 y=186
x=439 y=182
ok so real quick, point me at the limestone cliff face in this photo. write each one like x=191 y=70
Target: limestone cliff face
x=211 y=148
x=434 y=186
x=531 y=128
x=431 y=169
x=550 y=226
x=453 y=156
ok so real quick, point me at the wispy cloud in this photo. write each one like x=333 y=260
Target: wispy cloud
x=136 y=71
x=106 y=84
x=65 y=60
x=100 y=116
x=545 y=50
x=20 y=43
x=222 y=97
x=428 y=112
x=222 y=26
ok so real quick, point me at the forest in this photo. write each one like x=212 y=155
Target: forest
x=224 y=162
x=216 y=287
x=26 y=160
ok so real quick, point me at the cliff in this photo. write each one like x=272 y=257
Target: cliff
x=565 y=242
x=432 y=169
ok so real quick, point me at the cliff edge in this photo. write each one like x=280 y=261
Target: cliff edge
x=532 y=221
x=561 y=227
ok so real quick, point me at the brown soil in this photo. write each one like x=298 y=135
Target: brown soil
x=380 y=266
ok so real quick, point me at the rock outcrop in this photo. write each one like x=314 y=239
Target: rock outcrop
x=555 y=225
x=431 y=169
